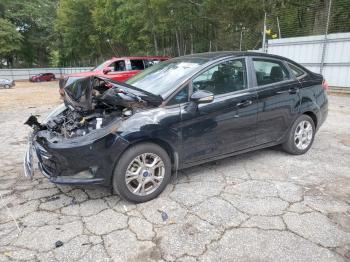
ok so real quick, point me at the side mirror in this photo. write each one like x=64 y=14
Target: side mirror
x=202 y=97
x=106 y=70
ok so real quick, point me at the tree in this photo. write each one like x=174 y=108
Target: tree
x=75 y=29
x=68 y=32
x=10 y=41
x=34 y=20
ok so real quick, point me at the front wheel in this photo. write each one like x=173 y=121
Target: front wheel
x=142 y=172
x=300 y=136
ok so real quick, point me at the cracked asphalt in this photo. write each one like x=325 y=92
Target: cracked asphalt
x=260 y=206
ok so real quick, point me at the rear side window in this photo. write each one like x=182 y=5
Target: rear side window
x=269 y=72
x=149 y=63
x=297 y=71
x=137 y=64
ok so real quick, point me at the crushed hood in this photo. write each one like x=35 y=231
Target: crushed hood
x=79 y=92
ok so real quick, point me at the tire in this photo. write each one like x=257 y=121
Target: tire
x=299 y=139
x=7 y=86
x=130 y=161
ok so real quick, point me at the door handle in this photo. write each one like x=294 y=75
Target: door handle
x=293 y=90
x=244 y=103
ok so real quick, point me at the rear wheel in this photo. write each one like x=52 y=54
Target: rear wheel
x=300 y=136
x=142 y=172
x=7 y=86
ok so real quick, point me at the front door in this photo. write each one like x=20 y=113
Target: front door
x=228 y=123
x=118 y=71
x=278 y=95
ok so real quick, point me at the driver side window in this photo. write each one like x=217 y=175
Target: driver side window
x=226 y=77
x=117 y=66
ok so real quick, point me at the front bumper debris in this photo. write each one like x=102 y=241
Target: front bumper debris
x=73 y=163
x=28 y=161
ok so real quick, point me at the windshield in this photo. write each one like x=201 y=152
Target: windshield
x=100 y=67
x=163 y=76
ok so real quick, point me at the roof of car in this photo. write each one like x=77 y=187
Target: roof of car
x=222 y=54
x=207 y=55
x=140 y=57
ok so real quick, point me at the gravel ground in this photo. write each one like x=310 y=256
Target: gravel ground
x=260 y=206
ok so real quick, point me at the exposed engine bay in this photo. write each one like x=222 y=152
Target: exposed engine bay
x=91 y=103
x=72 y=123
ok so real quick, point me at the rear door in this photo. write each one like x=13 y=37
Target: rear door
x=135 y=65
x=278 y=98
x=46 y=77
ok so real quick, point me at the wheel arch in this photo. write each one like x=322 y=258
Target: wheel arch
x=313 y=117
x=171 y=151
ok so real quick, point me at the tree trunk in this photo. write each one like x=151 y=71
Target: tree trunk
x=191 y=39
x=178 y=43
x=155 y=43
x=321 y=15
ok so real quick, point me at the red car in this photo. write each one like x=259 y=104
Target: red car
x=42 y=77
x=119 y=68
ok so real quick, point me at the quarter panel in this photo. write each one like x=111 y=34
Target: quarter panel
x=314 y=98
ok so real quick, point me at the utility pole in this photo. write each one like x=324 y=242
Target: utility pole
x=240 y=40
x=241 y=37
x=324 y=47
x=279 y=28
x=264 y=36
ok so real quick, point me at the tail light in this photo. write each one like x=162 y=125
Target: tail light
x=325 y=84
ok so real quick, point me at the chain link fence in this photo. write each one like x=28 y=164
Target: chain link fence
x=280 y=20
x=27 y=73
x=297 y=18
x=315 y=34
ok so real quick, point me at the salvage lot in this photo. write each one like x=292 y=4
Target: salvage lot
x=260 y=206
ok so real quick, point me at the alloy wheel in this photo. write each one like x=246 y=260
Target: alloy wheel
x=303 y=135
x=144 y=174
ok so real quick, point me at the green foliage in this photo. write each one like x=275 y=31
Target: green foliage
x=75 y=27
x=85 y=32
x=34 y=19
x=10 y=40
x=54 y=58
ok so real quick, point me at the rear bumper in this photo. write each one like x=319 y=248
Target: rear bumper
x=323 y=111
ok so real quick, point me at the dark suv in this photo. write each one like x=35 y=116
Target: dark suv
x=178 y=113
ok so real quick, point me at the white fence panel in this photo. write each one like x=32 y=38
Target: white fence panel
x=308 y=52
x=26 y=73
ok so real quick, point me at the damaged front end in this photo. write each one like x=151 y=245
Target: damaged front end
x=79 y=141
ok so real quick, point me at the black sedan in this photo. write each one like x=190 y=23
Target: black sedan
x=176 y=114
